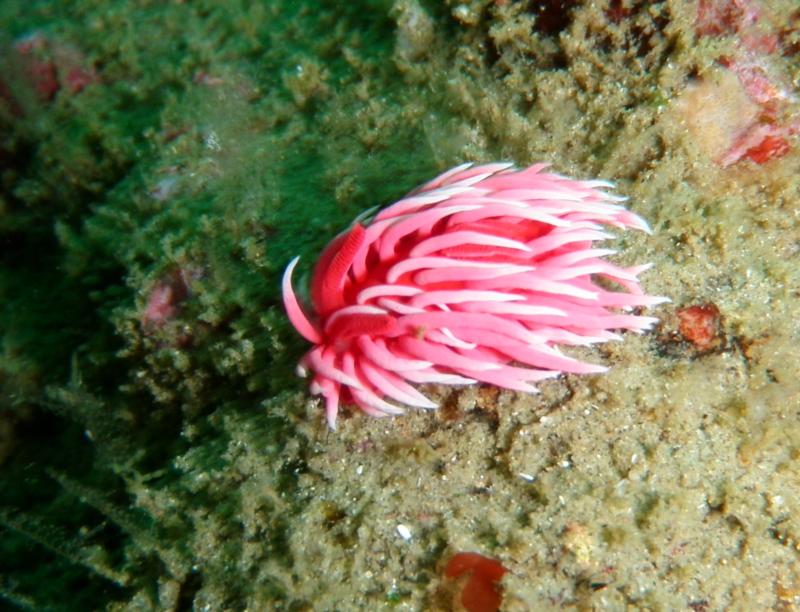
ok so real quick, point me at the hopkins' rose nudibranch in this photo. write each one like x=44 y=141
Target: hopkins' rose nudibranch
x=477 y=276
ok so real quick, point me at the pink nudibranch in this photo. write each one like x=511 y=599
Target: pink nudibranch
x=477 y=276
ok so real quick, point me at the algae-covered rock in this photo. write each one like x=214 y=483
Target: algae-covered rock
x=160 y=163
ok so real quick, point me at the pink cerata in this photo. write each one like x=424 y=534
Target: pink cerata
x=477 y=276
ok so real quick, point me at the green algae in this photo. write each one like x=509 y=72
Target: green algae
x=177 y=462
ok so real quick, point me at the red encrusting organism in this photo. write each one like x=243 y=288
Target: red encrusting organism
x=700 y=325
x=481 y=593
x=477 y=276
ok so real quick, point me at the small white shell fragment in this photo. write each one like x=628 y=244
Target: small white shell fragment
x=404 y=532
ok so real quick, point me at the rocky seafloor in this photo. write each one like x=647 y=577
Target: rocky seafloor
x=162 y=162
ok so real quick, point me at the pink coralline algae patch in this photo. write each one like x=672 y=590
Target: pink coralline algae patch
x=763 y=124
x=165 y=297
x=49 y=65
x=162 y=303
x=477 y=276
